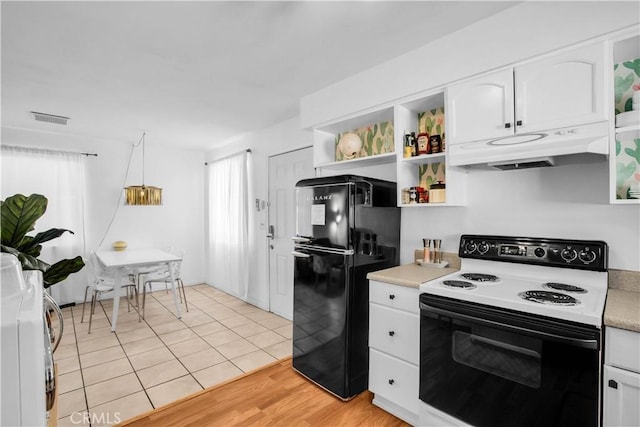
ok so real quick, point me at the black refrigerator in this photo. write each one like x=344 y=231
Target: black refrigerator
x=346 y=227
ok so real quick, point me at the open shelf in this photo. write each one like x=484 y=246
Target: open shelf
x=628 y=132
x=379 y=159
x=426 y=158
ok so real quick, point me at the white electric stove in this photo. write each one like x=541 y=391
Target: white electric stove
x=522 y=318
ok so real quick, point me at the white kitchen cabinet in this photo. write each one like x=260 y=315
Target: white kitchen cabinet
x=621 y=378
x=564 y=89
x=394 y=337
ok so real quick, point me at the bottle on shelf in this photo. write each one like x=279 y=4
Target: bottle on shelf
x=408 y=145
x=414 y=141
x=435 y=143
x=423 y=143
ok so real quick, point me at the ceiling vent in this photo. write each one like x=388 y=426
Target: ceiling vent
x=50 y=118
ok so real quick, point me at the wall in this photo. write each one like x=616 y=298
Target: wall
x=568 y=201
x=179 y=222
x=284 y=136
x=516 y=34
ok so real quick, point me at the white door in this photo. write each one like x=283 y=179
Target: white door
x=562 y=90
x=284 y=171
x=621 y=397
x=481 y=108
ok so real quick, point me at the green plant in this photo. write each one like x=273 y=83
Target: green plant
x=19 y=214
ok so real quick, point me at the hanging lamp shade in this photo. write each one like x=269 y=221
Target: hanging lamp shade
x=138 y=195
x=143 y=195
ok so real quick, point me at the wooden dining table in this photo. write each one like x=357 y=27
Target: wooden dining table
x=117 y=262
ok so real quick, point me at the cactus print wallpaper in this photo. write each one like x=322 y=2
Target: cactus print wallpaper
x=627 y=80
x=431 y=174
x=432 y=122
x=376 y=139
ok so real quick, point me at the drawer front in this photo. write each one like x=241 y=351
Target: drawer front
x=395 y=332
x=394 y=379
x=622 y=349
x=400 y=297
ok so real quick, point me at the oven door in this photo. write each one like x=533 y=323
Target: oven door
x=488 y=366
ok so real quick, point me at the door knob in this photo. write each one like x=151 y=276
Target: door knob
x=271 y=234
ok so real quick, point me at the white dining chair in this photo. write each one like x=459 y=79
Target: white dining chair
x=100 y=283
x=163 y=276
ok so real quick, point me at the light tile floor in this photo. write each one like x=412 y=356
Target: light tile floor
x=105 y=377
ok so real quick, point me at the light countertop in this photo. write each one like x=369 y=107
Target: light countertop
x=623 y=300
x=410 y=275
x=622 y=309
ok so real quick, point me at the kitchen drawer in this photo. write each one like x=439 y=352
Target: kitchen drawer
x=395 y=332
x=622 y=349
x=400 y=297
x=394 y=379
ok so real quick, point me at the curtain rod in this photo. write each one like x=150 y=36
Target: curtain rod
x=46 y=150
x=248 y=150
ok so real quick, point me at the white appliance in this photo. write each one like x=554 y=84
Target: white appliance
x=522 y=318
x=28 y=383
x=533 y=149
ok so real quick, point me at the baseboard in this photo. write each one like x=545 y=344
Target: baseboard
x=393 y=408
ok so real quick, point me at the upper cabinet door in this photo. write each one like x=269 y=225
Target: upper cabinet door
x=481 y=108
x=563 y=90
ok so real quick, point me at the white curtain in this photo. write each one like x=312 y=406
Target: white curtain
x=59 y=176
x=229 y=224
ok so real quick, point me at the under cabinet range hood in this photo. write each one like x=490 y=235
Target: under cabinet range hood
x=535 y=149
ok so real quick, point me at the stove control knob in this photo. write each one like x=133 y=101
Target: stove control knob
x=587 y=255
x=568 y=254
x=539 y=252
x=483 y=248
x=470 y=247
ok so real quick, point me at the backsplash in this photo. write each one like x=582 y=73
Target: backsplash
x=627 y=78
x=376 y=139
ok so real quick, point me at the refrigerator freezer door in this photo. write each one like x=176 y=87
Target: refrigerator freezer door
x=324 y=213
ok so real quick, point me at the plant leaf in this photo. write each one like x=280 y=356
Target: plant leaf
x=628 y=105
x=28 y=248
x=61 y=270
x=618 y=147
x=28 y=262
x=19 y=214
x=28 y=242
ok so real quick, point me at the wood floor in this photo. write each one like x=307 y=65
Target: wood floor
x=276 y=396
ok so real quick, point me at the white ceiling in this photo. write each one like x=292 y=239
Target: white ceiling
x=194 y=74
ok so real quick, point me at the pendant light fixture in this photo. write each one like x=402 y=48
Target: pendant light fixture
x=143 y=194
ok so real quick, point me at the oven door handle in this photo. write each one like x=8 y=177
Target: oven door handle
x=576 y=342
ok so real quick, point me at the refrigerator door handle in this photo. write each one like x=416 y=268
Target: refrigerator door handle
x=300 y=254
x=326 y=250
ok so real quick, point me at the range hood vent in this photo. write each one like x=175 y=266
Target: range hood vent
x=50 y=118
x=540 y=162
x=534 y=149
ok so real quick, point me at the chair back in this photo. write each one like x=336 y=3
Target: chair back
x=177 y=266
